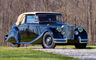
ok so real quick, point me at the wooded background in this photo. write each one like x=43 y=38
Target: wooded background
x=76 y=12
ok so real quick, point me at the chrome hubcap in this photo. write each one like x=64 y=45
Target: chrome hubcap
x=48 y=41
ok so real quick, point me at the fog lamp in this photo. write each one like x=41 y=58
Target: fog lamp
x=76 y=32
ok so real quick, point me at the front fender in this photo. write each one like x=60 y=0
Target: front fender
x=54 y=33
x=83 y=34
x=47 y=30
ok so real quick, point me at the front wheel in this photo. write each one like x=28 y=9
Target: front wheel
x=80 y=46
x=48 y=41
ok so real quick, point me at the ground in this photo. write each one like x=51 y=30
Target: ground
x=13 y=53
x=38 y=53
x=85 y=54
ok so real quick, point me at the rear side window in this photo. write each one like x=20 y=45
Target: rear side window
x=31 y=19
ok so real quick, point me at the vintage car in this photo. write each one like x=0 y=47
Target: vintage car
x=46 y=28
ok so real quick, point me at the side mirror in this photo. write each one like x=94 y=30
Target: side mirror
x=81 y=25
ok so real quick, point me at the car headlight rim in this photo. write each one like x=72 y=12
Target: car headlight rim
x=80 y=29
x=59 y=29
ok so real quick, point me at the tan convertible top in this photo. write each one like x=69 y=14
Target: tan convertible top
x=21 y=17
x=37 y=12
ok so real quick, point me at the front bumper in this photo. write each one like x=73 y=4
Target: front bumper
x=66 y=40
x=60 y=40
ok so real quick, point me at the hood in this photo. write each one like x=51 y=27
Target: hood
x=58 y=24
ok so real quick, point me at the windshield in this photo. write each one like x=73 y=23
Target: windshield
x=50 y=18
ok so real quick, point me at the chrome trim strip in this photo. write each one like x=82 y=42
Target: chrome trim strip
x=84 y=39
x=59 y=42
x=84 y=42
x=60 y=39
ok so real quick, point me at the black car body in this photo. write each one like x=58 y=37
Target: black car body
x=47 y=28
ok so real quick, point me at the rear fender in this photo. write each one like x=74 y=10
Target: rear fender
x=14 y=36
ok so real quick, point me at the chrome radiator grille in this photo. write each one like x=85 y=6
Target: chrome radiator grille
x=69 y=32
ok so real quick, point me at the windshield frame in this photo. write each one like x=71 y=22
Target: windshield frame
x=50 y=21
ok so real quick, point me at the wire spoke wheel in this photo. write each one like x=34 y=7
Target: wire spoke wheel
x=48 y=41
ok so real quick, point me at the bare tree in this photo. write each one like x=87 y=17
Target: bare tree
x=75 y=12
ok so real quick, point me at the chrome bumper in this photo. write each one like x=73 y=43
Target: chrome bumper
x=82 y=40
x=61 y=40
x=57 y=40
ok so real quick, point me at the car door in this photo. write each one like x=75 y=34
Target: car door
x=32 y=27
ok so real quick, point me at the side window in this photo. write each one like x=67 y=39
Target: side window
x=31 y=19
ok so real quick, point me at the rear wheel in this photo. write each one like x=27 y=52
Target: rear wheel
x=80 y=46
x=15 y=45
x=48 y=41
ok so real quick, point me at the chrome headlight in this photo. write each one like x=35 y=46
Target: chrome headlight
x=76 y=32
x=62 y=26
x=59 y=29
x=80 y=29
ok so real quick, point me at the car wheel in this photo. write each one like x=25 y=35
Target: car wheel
x=48 y=41
x=80 y=46
x=15 y=45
